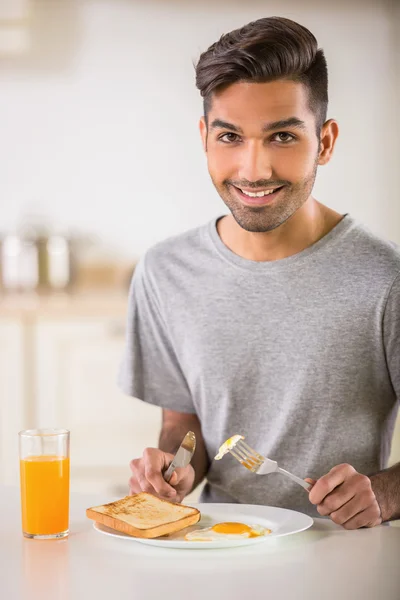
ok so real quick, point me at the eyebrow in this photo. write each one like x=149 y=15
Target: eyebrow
x=282 y=124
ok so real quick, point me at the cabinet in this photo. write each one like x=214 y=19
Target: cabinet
x=59 y=360
x=13 y=409
x=76 y=365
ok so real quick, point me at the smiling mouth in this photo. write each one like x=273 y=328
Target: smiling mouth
x=257 y=197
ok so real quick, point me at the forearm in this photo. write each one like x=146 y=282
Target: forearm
x=386 y=487
x=170 y=439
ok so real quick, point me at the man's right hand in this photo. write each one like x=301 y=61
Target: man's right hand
x=147 y=476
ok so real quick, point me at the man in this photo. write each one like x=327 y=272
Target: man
x=279 y=321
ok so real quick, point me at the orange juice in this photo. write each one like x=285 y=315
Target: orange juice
x=44 y=494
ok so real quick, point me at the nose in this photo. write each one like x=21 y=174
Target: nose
x=255 y=162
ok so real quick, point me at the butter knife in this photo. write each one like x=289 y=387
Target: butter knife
x=183 y=456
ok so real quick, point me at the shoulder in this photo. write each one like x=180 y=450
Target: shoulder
x=376 y=255
x=175 y=254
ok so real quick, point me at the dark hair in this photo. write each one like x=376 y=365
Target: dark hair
x=266 y=50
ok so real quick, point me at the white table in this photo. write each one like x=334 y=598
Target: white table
x=326 y=562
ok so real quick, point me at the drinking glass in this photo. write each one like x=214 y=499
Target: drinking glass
x=44 y=475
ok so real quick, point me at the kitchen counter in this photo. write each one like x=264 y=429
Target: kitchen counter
x=63 y=304
x=325 y=562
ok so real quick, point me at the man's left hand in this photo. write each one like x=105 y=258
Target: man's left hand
x=346 y=497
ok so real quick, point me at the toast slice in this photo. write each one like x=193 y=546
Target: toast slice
x=144 y=515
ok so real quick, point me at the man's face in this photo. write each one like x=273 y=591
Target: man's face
x=261 y=138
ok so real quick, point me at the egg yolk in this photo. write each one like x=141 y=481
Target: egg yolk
x=234 y=528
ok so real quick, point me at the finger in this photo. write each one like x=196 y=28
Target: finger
x=134 y=487
x=185 y=482
x=357 y=487
x=362 y=501
x=137 y=482
x=366 y=518
x=154 y=464
x=160 y=460
x=144 y=484
x=312 y=482
x=174 y=479
x=334 y=501
x=134 y=464
x=326 y=484
x=181 y=474
x=348 y=510
x=155 y=477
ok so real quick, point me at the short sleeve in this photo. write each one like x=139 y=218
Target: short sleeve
x=149 y=368
x=391 y=335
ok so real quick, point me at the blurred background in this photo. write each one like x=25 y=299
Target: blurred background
x=101 y=158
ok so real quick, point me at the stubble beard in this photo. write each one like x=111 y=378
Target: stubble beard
x=260 y=219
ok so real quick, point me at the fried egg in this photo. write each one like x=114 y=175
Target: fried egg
x=228 y=445
x=231 y=531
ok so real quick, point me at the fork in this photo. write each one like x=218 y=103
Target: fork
x=259 y=464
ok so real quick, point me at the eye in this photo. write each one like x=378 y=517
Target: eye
x=228 y=138
x=283 y=137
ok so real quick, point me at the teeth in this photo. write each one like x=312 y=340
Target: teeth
x=258 y=194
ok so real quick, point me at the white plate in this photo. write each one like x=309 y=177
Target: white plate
x=281 y=521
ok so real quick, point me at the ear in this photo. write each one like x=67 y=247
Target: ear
x=329 y=135
x=203 y=132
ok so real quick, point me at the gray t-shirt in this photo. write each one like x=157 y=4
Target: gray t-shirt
x=299 y=355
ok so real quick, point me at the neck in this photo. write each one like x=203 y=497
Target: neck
x=311 y=222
